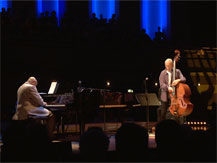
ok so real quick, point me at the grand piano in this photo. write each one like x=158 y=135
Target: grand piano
x=58 y=104
x=87 y=102
x=84 y=103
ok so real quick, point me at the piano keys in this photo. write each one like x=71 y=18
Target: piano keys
x=53 y=99
x=55 y=106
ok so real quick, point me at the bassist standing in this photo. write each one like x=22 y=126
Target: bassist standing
x=166 y=87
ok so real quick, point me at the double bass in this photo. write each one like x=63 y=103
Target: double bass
x=180 y=97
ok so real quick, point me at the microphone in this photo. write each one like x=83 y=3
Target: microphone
x=146 y=79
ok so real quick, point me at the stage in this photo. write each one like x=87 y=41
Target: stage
x=71 y=133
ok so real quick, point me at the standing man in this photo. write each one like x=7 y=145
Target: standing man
x=29 y=102
x=166 y=84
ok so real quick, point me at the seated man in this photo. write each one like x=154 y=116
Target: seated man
x=29 y=102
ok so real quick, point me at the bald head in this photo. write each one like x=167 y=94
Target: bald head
x=32 y=80
x=169 y=64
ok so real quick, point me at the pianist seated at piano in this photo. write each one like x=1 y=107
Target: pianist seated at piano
x=30 y=103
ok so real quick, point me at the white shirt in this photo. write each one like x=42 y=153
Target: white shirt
x=169 y=78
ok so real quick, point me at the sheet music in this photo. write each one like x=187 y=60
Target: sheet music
x=152 y=99
x=52 y=88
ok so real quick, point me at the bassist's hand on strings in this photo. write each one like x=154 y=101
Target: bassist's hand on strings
x=175 y=82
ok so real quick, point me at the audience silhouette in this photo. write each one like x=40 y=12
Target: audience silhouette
x=159 y=35
x=131 y=143
x=167 y=136
x=94 y=145
x=26 y=140
x=180 y=143
x=89 y=33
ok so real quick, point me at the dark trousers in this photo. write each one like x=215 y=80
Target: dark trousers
x=164 y=113
x=82 y=121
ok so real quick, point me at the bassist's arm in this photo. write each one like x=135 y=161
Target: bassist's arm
x=181 y=77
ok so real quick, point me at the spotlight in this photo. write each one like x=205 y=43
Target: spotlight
x=200 y=52
x=198 y=84
x=156 y=84
x=204 y=128
x=130 y=91
x=195 y=128
x=108 y=84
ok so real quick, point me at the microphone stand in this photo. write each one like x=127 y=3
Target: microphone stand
x=104 y=111
x=147 y=105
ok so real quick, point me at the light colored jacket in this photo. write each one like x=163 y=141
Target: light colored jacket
x=28 y=101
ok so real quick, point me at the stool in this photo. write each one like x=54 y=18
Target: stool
x=40 y=119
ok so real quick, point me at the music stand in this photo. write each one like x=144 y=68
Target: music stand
x=147 y=99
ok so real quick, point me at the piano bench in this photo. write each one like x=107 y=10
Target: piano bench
x=40 y=119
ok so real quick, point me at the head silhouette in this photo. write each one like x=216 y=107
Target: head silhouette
x=131 y=142
x=167 y=137
x=94 y=145
x=166 y=133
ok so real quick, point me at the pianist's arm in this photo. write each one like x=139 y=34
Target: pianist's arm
x=35 y=97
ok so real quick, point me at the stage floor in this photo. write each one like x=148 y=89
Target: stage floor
x=71 y=134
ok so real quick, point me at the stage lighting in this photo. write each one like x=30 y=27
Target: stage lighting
x=106 y=8
x=58 y=6
x=155 y=14
x=5 y=4
x=130 y=91
x=108 y=84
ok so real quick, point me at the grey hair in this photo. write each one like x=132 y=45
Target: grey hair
x=168 y=60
